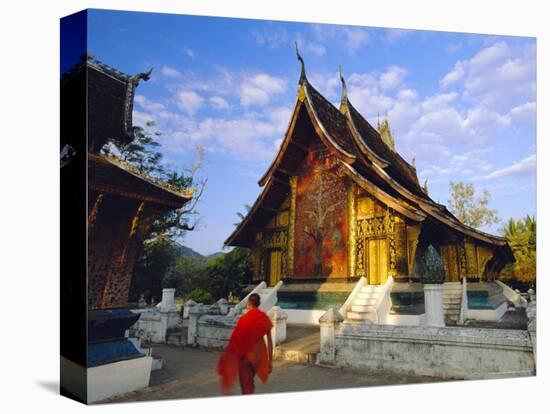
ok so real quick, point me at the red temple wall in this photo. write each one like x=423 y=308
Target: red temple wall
x=321 y=223
x=111 y=254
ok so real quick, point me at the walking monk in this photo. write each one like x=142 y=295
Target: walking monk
x=246 y=354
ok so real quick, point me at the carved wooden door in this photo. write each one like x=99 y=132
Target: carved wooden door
x=376 y=260
x=449 y=257
x=275 y=266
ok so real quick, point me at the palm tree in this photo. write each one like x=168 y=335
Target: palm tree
x=241 y=215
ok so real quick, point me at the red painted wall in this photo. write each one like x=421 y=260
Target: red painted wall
x=321 y=228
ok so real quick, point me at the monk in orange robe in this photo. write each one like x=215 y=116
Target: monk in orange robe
x=246 y=354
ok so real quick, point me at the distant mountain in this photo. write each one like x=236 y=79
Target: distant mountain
x=189 y=252
x=214 y=255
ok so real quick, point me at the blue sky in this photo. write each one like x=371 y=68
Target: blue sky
x=463 y=105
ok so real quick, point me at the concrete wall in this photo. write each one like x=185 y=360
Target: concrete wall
x=304 y=316
x=491 y=315
x=118 y=378
x=213 y=331
x=444 y=352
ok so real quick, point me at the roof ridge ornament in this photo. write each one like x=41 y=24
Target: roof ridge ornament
x=385 y=133
x=344 y=100
x=299 y=57
x=142 y=75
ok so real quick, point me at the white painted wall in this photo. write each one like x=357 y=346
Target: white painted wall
x=444 y=352
x=490 y=315
x=304 y=316
x=118 y=378
x=406 y=320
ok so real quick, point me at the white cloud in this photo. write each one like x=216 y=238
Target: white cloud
x=273 y=37
x=189 y=101
x=147 y=104
x=407 y=94
x=453 y=47
x=500 y=76
x=170 y=72
x=189 y=53
x=351 y=37
x=326 y=83
x=525 y=166
x=392 y=78
x=280 y=118
x=217 y=102
x=250 y=137
x=438 y=101
x=258 y=89
x=392 y=35
x=525 y=113
x=309 y=46
x=140 y=118
x=456 y=74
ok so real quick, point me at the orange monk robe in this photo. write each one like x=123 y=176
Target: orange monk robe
x=246 y=340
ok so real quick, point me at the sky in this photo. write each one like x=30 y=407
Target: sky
x=463 y=105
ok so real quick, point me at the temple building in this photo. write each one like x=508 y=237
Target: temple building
x=106 y=206
x=338 y=202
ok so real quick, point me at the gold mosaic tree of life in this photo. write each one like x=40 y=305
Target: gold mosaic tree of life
x=322 y=207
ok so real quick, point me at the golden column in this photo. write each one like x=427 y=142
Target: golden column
x=291 y=220
x=352 y=217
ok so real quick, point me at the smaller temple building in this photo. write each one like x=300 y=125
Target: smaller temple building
x=107 y=205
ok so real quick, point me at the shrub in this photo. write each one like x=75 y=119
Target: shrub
x=200 y=296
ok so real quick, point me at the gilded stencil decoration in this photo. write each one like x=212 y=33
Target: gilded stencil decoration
x=290 y=250
x=352 y=230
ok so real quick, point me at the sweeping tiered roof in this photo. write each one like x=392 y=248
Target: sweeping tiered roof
x=96 y=105
x=362 y=155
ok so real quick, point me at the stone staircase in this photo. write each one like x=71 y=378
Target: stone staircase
x=268 y=298
x=362 y=308
x=452 y=298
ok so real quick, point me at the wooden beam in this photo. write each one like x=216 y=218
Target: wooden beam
x=274 y=210
x=286 y=172
x=298 y=145
x=280 y=181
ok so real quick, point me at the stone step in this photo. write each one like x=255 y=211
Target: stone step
x=280 y=353
x=362 y=308
x=364 y=302
x=370 y=295
x=359 y=316
x=371 y=288
x=452 y=300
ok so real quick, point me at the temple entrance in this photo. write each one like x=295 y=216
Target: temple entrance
x=449 y=257
x=376 y=260
x=275 y=266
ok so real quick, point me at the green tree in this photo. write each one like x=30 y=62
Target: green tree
x=152 y=266
x=472 y=211
x=156 y=252
x=522 y=238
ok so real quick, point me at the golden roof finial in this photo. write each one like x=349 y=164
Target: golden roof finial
x=344 y=100
x=303 y=72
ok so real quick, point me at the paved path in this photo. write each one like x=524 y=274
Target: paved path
x=190 y=373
